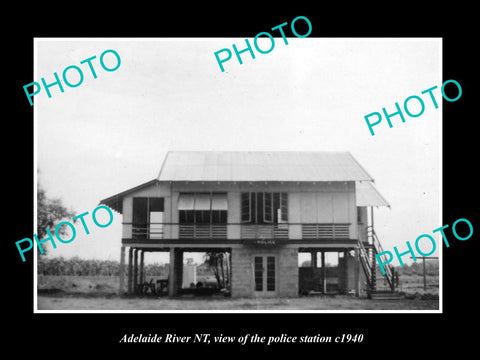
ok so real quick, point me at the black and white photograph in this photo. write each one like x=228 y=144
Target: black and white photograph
x=256 y=188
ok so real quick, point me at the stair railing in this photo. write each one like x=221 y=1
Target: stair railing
x=377 y=246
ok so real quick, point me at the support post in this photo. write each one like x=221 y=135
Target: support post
x=130 y=255
x=371 y=218
x=424 y=276
x=345 y=272
x=324 y=273
x=142 y=280
x=121 y=274
x=373 y=269
x=175 y=271
x=313 y=263
x=357 y=272
x=171 y=274
x=178 y=270
x=135 y=270
x=230 y=269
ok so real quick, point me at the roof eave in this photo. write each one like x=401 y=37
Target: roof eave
x=115 y=202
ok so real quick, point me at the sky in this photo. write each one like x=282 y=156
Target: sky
x=111 y=133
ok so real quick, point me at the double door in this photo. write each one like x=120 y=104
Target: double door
x=265 y=275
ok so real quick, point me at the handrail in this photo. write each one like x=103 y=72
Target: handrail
x=280 y=230
x=238 y=223
x=365 y=262
x=389 y=269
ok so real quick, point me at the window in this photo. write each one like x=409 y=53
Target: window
x=140 y=211
x=264 y=207
x=246 y=207
x=270 y=273
x=219 y=217
x=186 y=217
x=202 y=208
x=144 y=207
x=147 y=217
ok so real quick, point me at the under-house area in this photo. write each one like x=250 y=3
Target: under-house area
x=205 y=272
x=327 y=272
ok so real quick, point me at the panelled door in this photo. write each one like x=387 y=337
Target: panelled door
x=265 y=275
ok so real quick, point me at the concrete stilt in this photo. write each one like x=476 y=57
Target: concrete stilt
x=142 y=254
x=135 y=270
x=129 y=273
x=121 y=274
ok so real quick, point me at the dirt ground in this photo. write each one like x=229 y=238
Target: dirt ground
x=99 y=293
x=339 y=302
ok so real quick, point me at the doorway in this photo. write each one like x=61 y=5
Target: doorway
x=265 y=275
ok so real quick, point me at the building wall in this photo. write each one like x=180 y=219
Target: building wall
x=242 y=273
x=362 y=223
x=324 y=203
x=286 y=270
x=307 y=203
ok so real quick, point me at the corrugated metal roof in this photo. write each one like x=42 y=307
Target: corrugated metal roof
x=368 y=195
x=261 y=166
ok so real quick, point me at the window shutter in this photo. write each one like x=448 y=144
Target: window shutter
x=267 y=208
x=284 y=206
x=246 y=207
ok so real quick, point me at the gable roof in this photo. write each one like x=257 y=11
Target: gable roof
x=261 y=166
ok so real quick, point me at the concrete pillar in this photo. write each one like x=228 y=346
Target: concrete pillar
x=121 y=274
x=130 y=254
x=175 y=271
x=178 y=269
x=135 y=270
x=356 y=270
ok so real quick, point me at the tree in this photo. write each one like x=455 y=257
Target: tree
x=218 y=262
x=49 y=213
x=306 y=263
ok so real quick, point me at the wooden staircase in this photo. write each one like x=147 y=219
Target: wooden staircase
x=367 y=253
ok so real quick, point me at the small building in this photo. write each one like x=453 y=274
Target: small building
x=189 y=275
x=266 y=210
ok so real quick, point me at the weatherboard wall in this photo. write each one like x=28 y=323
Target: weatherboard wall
x=322 y=202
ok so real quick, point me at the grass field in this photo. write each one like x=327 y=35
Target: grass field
x=100 y=293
